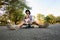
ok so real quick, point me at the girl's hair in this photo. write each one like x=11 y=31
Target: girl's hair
x=27 y=11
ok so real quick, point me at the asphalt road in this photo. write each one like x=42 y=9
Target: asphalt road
x=50 y=33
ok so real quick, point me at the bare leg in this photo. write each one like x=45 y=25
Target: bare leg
x=20 y=25
x=41 y=25
x=36 y=23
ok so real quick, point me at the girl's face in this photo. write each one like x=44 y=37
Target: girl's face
x=27 y=13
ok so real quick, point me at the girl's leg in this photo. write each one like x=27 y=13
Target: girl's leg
x=20 y=25
x=36 y=23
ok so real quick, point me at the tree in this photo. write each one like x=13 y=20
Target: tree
x=3 y=19
x=15 y=9
x=40 y=18
x=58 y=19
x=50 y=19
x=47 y=19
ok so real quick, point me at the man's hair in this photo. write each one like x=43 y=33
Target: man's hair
x=27 y=11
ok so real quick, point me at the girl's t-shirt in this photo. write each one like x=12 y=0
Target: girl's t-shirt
x=30 y=18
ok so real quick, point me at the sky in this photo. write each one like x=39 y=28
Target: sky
x=44 y=7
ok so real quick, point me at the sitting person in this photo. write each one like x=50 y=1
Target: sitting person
x=28 y=19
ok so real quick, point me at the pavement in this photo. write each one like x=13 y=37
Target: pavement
x=52 y=32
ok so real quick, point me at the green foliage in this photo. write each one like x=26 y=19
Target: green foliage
x=14 y=9
x=50 y=19
x=58 y=19
x=40 y=16
x=3 y=19
x=47 y=18
x=17 y=17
